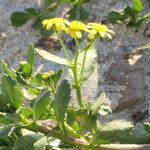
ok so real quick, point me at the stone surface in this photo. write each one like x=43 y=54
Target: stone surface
x=130 y=76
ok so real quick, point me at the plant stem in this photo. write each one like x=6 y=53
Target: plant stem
x=64 y=48
x=76 y=80
x=84 y=58
x=84 y=144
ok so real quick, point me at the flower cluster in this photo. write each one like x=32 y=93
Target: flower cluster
x=75 y=28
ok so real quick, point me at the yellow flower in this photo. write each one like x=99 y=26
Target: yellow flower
x=58 y=23
x=75 y=29
x=100 y=29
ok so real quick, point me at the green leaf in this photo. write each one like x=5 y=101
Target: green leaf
x=98 y=103
x=114 y=16
x=147 y=46
x=5 y=148
x=40 y=144
x=31 y=11
x=11 y=92
x=7 y=118
x=73 y=13
x=84 y=15
x=89 y=65
x=104 y=110
x=47 y=33
x=27 y=142
x=116 y=125
x=24 y=69
x=114 y=129
x=30 y=55
x=51 y=57
x=134 y=136
x=62 y=99
x=137 y=5
x=6 y=130
x=20 y=18
x=147 y=127
x=29 y=93
x=26 y=112
x=48 y=2
x=6 y=70
x=40 y=104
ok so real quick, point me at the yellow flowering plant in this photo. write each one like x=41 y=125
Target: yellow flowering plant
x=80 y=66
x=49 y=120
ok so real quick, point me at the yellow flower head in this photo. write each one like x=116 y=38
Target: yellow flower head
x=100 y=29
x=58 y=23
x=75 y=29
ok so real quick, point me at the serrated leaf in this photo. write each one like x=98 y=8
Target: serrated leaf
x=84 y=15
x=137 y=5
x=73 y=13
x=6 y=70
x=114 y=129
x=116 y=125
x=7 y=118
x=62 y=99
x=40 y=104
x=6 y=130
x=40 y=144
x=147 y=127
x=27 y=142
x=51 y=57
x=30 y=55
x=98 y=103
x=89 y=65
x=11 y=92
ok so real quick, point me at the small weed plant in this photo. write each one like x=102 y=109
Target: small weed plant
x=36 y=112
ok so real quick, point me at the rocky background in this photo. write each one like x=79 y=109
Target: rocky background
x=123 y=74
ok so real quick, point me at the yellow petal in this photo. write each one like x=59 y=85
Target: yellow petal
x=93 y=31
x=78 y=35
x=108 y=35
x=102 y=34
x=67 y=30
x=111 y=31
x=45 y=22
x=49 y=25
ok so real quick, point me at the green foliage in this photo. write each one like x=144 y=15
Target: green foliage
x=89 y=55
x=11 y=93
x=40 y=104
x=131 y=15
x=50 y=115
x=27 y=142
x=36 y=108
x=19 y=18
x=62 y=98
x=51 y=57
x=147 y=127
x=6 y=130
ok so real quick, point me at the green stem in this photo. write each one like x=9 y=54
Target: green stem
x=84 y=58
x=76 y=80
x=64 y=48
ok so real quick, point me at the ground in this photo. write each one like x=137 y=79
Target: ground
x=122 y=74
